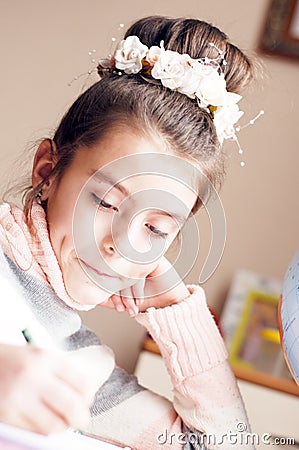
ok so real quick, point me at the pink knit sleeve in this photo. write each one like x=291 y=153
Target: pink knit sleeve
x=206 y=395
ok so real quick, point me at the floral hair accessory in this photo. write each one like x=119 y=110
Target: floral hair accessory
x=200 y=79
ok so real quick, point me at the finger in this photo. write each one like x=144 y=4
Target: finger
x=107 y=303
x=138 y=291
x=26 y=410
x=117 y=303
x=65 y=403
x=71 y=375
x=40 y=419
x=129 y=301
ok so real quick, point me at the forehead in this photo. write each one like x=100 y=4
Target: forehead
x=132 y=162
x=136 y=161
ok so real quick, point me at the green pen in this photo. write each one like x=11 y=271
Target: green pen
x=27 y=336
x=39 y=337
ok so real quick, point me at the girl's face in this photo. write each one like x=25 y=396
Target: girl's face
x=111 y=217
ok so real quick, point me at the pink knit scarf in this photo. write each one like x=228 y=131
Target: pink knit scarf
x=33 y=255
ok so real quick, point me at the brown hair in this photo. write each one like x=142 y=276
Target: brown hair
x=150 y=108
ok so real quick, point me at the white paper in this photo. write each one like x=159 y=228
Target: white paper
x=19 y=439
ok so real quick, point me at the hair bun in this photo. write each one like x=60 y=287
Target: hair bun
x=193 y=36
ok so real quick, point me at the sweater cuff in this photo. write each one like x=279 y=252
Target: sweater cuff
x=187 y=335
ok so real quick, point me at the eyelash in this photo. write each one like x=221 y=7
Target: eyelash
x=100 y=202
x=154 y=231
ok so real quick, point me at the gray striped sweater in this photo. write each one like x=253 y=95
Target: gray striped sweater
x=206 y=398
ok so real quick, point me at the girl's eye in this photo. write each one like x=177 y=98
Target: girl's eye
x=156 y=232
x=100 y=202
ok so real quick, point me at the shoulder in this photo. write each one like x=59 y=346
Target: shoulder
x=6 y=272
x=13 y=309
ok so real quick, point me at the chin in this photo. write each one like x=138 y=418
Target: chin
x=86 y=293
x=82 y=289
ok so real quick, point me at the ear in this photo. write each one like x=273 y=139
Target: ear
x=43 y=163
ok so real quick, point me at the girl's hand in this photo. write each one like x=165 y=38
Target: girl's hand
x=40 y=391
x=162 y=287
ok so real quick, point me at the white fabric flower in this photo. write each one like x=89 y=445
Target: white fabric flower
x=153 y=55
x=129 y=54
x=191 y=78
x=195 y=78
x=212 y=89
x=225 y=117
x=171 y=68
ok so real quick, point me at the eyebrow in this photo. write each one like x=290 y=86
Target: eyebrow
x=107 y=178
x=180 y=219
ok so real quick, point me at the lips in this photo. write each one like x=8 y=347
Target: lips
x=98 y=272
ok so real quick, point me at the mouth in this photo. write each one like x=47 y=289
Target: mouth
x=96 y=271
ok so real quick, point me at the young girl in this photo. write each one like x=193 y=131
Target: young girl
x=131 y=160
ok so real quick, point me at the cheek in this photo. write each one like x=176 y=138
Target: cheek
x=60 y=225
x=146 y=270
x=59 y=233
x=60 y=208
x=172 y=240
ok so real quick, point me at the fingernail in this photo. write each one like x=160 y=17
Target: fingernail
x=120 y=308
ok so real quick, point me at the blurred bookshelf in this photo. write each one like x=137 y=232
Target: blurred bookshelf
x=260 y=378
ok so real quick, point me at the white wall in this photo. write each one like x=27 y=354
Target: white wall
x=43 y=45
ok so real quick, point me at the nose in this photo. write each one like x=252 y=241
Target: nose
x=115 y=252
x=108 y=246
x=128 y=248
